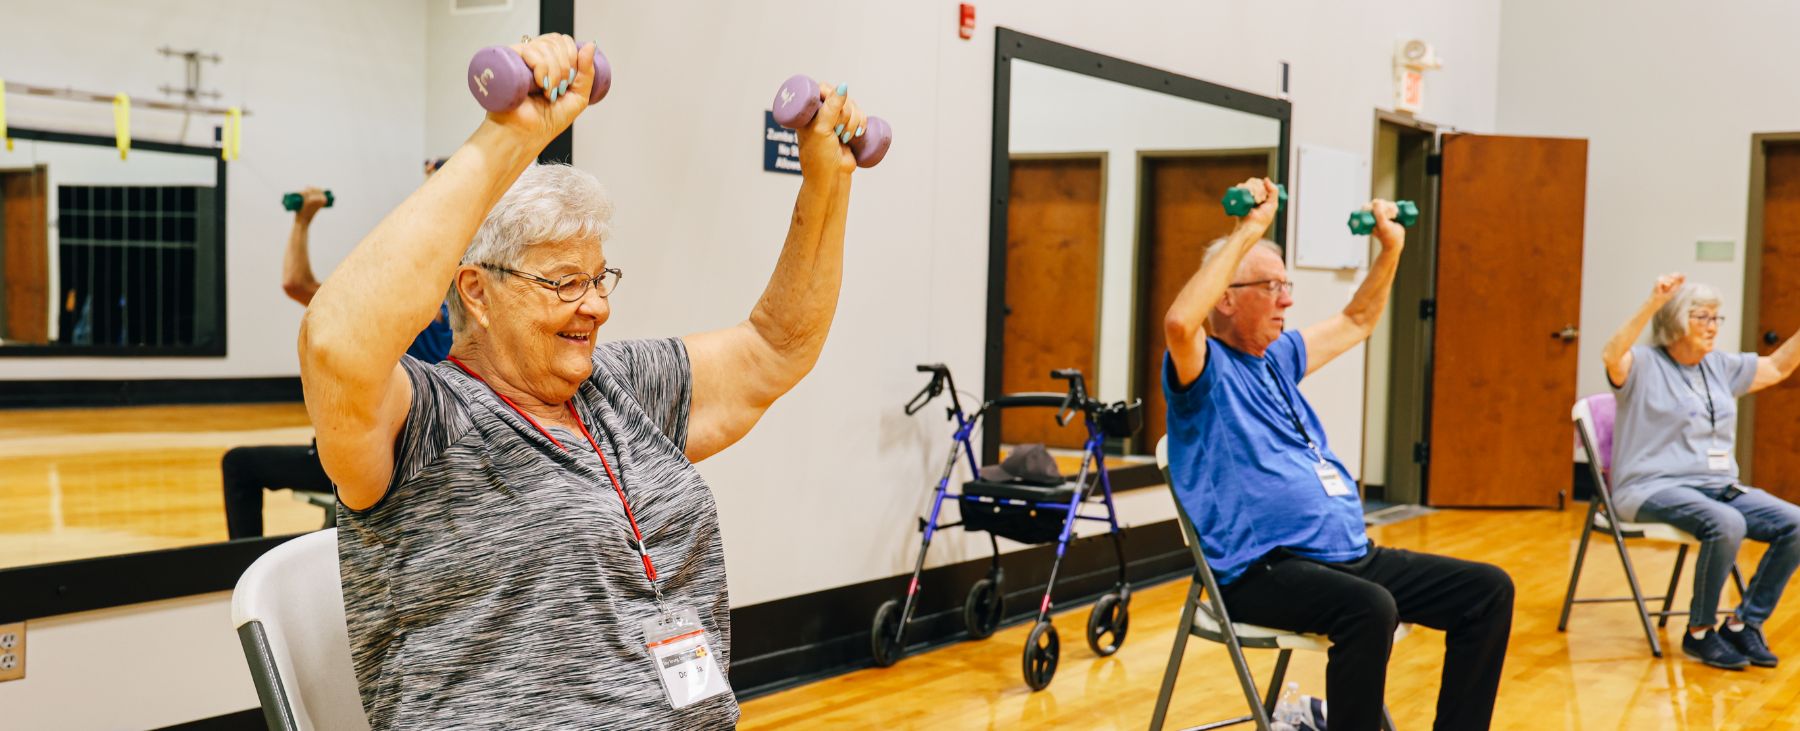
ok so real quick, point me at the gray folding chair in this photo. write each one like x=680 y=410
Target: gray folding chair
x=1593 y=418
x=288 y=608
x=1207 y=618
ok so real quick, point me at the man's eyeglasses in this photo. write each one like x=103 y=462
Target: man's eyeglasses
x=569 y=287
x=1273 y=286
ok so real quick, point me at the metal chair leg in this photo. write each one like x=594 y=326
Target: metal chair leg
x=1181 y=637
x=1738 y=578
x=1274 y=694
x=1674 y=581
x=1637 y=592
x=1587 y=531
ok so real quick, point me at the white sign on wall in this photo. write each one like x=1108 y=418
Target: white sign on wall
x=1329 y=185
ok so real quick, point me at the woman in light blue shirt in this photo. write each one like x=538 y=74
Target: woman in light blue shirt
x=1673 y=460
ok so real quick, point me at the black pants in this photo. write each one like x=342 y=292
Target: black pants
x=247 y=470
x=1358 y=604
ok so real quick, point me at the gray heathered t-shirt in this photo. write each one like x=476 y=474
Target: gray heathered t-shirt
x=494 y=585
x=1662 y=433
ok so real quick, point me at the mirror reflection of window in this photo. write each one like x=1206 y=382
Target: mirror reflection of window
x=1115 y=193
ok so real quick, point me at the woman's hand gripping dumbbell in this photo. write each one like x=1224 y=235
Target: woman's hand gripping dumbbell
x=500 y=77
x=799 y=100
x=1239 y=200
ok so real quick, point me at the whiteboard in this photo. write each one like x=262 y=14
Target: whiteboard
x=1328 y=185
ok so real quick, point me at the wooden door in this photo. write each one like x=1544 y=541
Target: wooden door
x=26 y=287
x=1180 y=215
x=1511 y=211
x=1775 y=450
x=1053 y=220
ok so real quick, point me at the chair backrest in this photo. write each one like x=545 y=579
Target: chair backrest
x=289 y=612
x=1188 y=532
x=1594 y=416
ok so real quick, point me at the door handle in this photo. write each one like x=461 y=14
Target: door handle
x=1771 y=338
x=1568 y=334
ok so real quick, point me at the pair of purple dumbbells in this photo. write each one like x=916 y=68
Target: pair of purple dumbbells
x=500 y=81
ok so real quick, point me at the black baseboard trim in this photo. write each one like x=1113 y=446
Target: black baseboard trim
x=788 y=642
x=246 y=720
x=59 y=394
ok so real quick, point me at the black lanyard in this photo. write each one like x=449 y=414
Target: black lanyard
x=1712 y=418
x=1293 y=413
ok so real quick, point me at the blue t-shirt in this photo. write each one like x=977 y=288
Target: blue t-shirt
x=1244 y=474
x=433 y=343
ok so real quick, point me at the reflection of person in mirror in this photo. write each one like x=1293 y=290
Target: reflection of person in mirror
x=1277 y=512
x=1674 y=460
x=511 y=520
x=247 y=471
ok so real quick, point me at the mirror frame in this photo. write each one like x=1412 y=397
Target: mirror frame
x=1009 y=45
x=214 y=348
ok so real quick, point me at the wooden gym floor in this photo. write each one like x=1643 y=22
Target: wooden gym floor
x=1598 y=676
x=80 y=483
x=76 y=483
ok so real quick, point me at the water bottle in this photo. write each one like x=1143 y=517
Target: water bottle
x=1288 y=709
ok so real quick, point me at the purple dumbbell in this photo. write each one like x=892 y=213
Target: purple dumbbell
x=500 y=80
x=798 y=100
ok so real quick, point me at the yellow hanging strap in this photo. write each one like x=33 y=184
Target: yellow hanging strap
x=232 y=139
x=3 y=135
x=122 y=123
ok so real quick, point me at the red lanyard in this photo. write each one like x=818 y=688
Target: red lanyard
x=649 y=570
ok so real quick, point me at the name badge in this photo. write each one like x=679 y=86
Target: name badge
x=1718 y=459
x=683 y=657
x=1329 y=477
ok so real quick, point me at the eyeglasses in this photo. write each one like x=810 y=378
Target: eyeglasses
x=569 y=287
x=1707 y=319
x=1274 y=286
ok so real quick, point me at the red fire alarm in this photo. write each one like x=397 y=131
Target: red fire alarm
x=967 y=30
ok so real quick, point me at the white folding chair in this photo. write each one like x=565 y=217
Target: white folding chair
x=1594 y=432
x=1207 y=618
x=289 y=612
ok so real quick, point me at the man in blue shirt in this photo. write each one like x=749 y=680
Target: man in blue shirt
x=246 y=471
x=1277 y=512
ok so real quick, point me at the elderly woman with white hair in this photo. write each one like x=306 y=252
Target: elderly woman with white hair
x=524 y=539
x=1673 y=460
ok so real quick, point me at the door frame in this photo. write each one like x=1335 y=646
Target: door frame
x=1010 y=44
x=1415 y=281
x=1752 y=305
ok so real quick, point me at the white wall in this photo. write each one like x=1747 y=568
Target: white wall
x=335 y=91
x=823 y=492
x=1057 y=111
x=138 y=667
x=1668 y=95
x=450 y=39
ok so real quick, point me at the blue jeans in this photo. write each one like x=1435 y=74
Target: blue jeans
x=1722 y=524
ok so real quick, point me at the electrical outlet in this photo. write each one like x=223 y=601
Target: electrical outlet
x=12 y=652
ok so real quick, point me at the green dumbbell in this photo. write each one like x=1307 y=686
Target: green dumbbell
x=1362 y=223
x=291 y=201
x=1239 y=200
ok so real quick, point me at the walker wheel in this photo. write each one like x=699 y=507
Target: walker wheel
x=884 y=635
x=1107 y=624
x=1041 y=651
x=983 y=609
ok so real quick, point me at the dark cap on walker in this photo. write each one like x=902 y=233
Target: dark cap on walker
x=1029 y=463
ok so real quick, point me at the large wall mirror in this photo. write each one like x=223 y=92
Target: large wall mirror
x=1107 y=180
x=110 y=256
